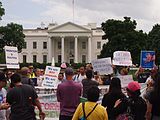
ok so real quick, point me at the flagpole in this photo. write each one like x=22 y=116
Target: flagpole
x=73 y=10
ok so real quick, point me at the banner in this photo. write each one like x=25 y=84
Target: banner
x=147 y=59
x=122 y=58
x=102 y=66
x=49 y=103
x=125 y=79
x=51 y=76
x=11 y=54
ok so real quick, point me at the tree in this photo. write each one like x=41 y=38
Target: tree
x=1 y=10
x=122 y=36
x=12 y=35
x=154 y=41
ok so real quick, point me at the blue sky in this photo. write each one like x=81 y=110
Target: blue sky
x=30 y=13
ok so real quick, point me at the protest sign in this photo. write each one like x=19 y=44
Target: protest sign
x=122 y=58
x=125 y=79
x=147 y=59
x=102 y=66
x=11 y=54
x=51 y=76
x=49 y=103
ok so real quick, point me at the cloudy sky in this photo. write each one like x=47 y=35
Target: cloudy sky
x=30 y=13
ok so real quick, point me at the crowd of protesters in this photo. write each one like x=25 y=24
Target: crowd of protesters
x=18 y=99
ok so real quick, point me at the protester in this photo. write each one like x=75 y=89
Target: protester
x=3 y=92
x=115 y=93
x=153 y=100
x=22 y=99
x=91 y=110
x=31 y=72
x=141 y=75
x=38 y=77
x=68 y=94
x=97 y=78
x=153 y=72
x=88 y=82
x=25 y=79
x=106 y=79
x=135 y=106
x=79 y=77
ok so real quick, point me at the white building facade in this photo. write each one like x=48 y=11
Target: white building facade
x=67 y=42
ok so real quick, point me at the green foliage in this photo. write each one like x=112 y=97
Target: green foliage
x=2 y=12
x=154 y=41
x=12 y=36
x=122 y=36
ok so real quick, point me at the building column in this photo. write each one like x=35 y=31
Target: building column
x=76 y=50
x=62 y=49
x=49 y=49
x=89 y=49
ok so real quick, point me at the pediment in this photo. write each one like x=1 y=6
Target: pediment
x=68 y=27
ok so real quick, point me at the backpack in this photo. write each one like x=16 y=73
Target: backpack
x=84 y=117
x=126 y=115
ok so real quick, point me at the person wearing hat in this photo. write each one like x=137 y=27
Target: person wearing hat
x=68 y=94
x=3 y=92
x=25 y=79
x=134 y=103
x=31 y=72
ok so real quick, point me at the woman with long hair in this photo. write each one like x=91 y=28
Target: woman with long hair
x=115 y=93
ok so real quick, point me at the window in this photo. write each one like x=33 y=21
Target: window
x=59 y=45
x=25 y=45
x=83 y=58
x=24 y=58
x=98 y=45
x=44 y=58
x=59 y=58
x=34 y=45
x=71 y=45
x=44 y=45
x=34 y=58
x=83 y=45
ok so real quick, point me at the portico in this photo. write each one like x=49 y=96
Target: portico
x=72 y=46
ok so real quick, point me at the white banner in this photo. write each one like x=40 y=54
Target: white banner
x=122 y=58
x=102 y=66
x=11 y=54
x=51 y=76
x=125 y=79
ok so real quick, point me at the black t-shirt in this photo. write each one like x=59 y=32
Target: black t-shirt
x=22 y=99
x=155 y=101
x=142 y=77
x=109 y=100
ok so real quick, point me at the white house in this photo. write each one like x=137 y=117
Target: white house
x=67 y=42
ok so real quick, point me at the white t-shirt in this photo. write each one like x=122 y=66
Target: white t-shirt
x=79 y=77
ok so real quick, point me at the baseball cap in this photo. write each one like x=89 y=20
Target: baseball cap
x=69 y=71
x=3 y=77
x=133 y=86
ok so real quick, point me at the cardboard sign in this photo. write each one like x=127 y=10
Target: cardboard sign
x=11 y=54
x=51 y=76
x=147 y=59
x=125 y=79
x=102 y=66
x=122 y=58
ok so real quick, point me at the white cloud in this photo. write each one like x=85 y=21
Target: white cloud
x=145 y=12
